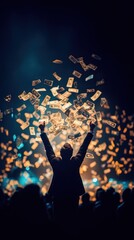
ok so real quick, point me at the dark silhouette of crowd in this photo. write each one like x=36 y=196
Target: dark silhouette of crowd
x=110 y=216
x=66 y=210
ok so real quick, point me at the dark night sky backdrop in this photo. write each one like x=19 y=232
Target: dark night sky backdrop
x=33 y=34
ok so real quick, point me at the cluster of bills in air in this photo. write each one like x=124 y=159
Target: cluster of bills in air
x=67 y=113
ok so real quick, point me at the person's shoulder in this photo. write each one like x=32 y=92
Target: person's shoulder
x=74 y=160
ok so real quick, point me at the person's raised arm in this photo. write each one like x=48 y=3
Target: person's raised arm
x=48 y=147
x=83 y=148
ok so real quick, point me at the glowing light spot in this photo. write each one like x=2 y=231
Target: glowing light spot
x=27 y=168
x=14 y=137
x=95 y=180
x=20 y=146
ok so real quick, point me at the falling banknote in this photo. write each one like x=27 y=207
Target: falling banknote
x=70 y=82
x=96 y=95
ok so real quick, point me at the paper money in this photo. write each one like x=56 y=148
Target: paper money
x=22 y=95
x=8 y=98
x=111 y=153
x=90 y=104
x=28 y=115
x=55 y=105
x=42 y=109
x=76 y=74
x=93 y=164
x=103 y=101
x=82 y=63
x=54 y=91
x=74 y=90
x=48 y=82
x=32 y=130
x=46 y=100
x=34 y=145
x=98 y=116
x=22 y=107
x=81 y=95
x=35 y=82
x=18 y=164
x=104 y=157
x=67 y=112
x=57 y=131
x=89 y=77
x=1 y=115
x=89 y=155
x=19 y=142
x=90 y=90
x=83 y=112
x=110 y=123
x=24 y=125
x=38 y=163
x=20 y=121
x=73 y=136
x=35 y=93
x=77 y=122
x=77 y=103
x=131 y=133
x=56 y=76
x=41 y=89
x=8 y=111
x=95 y=56
x=100 y=82
x=75 y=85
x=36 y=103
x=63 y=101
x=70 y=82
x=92 y=66
x=56 y=115
x=106 y=171
x=6 y=132
x=25 y=136
x=44 y=119
x=35 y=123
x=60 y=89
x=96 y=95
x=99 y=133
x=66 y=95
x=67 y=105
x=58 y=61
x=53 y=102
x=27 y=96
x=32 y=99
x=72 y=59
x=36 y=115
x=114 y=132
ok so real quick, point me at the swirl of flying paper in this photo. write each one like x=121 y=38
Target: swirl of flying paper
x=67 y=112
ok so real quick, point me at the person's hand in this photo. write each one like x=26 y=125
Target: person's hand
x=42 y=126
x=92 y=126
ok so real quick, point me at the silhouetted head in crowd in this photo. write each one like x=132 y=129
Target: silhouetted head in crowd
x=116 y=198
x=66 y=151
x=100 y=194
x=32 y=189
x=109 y=194
x=126 y=194
x=85 y=197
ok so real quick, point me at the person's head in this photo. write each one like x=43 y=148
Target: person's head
x=85 y=197
x=66 y=151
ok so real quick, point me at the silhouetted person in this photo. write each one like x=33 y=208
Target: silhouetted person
x=124 y=213
x=66 y=186
x=27 y=206
x=85 y=214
